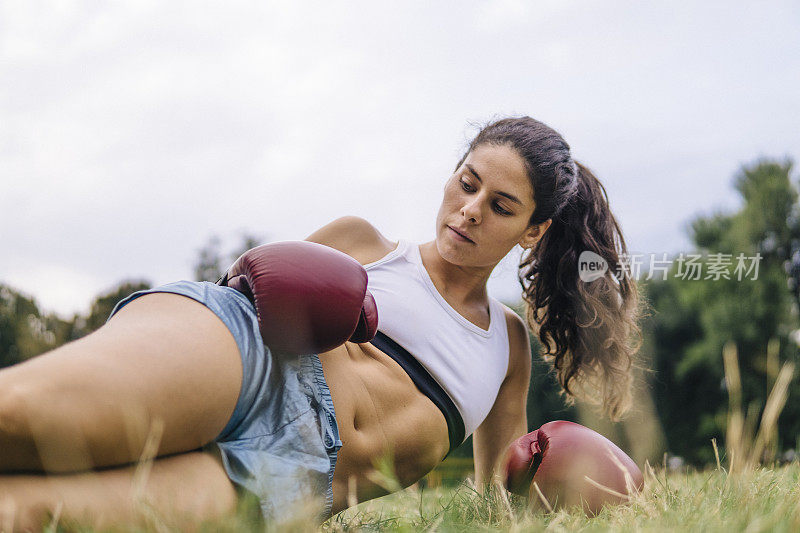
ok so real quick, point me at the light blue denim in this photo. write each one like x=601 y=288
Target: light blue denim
x=282 y=440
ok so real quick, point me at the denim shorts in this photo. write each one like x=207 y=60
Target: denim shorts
x=282 y=440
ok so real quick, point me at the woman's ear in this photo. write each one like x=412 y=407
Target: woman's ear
x=534 y=233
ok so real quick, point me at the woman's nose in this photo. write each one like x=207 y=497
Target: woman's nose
x=472 y=211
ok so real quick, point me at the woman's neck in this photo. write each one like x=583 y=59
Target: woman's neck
x=462 y=286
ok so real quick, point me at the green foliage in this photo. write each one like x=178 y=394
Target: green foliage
x=26 y=332
x=695 y=317
x=102 y=306
x=209 y=262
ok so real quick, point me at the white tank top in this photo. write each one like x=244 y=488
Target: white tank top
x=468 y=362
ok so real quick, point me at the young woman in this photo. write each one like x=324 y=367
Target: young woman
x=184 y=364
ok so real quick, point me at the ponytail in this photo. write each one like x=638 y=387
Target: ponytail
x=584 y=326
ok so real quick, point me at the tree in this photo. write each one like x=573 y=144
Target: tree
x=695 y=317
x=210 y=264
x=24 y=331
x=103 y=304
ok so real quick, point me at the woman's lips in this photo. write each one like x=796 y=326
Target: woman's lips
x=459 y=237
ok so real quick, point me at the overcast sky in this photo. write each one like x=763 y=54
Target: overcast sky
x=131 y=133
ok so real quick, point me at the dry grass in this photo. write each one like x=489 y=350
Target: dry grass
x=745 y=450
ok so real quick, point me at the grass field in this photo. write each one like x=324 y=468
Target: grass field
x=761 y=499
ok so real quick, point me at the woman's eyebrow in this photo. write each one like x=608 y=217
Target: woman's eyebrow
x=501 y=193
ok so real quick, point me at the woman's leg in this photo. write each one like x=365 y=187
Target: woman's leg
x=177 y=491
x=163 y=362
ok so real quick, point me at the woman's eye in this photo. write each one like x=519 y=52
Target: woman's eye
x=468 y=188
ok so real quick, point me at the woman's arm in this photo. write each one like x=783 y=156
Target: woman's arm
x=508 y=419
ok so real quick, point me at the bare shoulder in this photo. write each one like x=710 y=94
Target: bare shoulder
x=354 y=236
x=518 y=341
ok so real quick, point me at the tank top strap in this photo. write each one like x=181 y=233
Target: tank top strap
x=400 y=251
x=496 y=309
x=410 y=251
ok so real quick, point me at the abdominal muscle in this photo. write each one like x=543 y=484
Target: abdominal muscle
x=379 y=411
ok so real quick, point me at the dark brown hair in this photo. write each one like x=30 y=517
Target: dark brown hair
x=588 y=329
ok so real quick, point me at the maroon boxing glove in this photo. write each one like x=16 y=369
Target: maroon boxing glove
x=560 y=456
x=309 y=298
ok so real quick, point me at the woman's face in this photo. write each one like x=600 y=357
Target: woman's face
x=489 y=199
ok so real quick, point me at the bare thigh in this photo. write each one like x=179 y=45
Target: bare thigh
x=164 y=365
x=177 y=491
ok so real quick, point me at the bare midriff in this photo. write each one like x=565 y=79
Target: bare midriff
x=381 y=414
